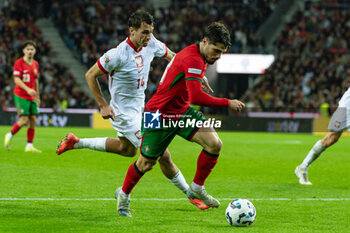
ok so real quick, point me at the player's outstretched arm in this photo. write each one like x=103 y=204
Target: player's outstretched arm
x=91 y=78
x=198 y=97
x=170 y=54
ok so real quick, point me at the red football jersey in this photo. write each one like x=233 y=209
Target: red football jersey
x=28 y=74
x=181 y=84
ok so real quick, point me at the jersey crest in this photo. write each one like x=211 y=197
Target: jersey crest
x=139 y=61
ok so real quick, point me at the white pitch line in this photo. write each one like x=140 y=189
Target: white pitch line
x=169 y=199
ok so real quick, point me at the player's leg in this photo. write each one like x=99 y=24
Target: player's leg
x=134 y=174
x=15 y=128
x=301 y=171
x=207 y=159
x=206 y=162
x=173 y=173
x=30 y=135
x=154 y=144
x=121 y=145
x=23 y=107
x=339 y=122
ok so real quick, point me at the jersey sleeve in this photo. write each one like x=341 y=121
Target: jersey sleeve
x=160 y=49
x=193 y=69
x=17 y=69
x=110 y=60
x=198 y=97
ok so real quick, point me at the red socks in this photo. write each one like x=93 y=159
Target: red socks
x=205 y=164
x=30 y=135
x=15 y=129
x=132 y=178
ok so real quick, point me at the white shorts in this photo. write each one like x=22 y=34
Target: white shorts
x=340 y=119
x=128 y=117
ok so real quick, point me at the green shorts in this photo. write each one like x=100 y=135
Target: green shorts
x=155 y=141
x=26 y=107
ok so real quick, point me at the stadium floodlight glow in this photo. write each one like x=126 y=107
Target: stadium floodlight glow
x=244 y=63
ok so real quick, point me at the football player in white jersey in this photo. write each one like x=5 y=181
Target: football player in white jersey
x=339 y=122
x=128 y=66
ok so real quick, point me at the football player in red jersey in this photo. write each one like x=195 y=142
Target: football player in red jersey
x=26 y=95
x=181 y=85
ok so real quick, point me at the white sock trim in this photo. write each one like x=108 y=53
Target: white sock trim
x=313 y=154
x=98 y=144
x=196 y=187
x=124 y=194
x=180 y=182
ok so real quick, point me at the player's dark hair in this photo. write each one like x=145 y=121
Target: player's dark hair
x=29 y=42
x=139 y=16
x=217 y=33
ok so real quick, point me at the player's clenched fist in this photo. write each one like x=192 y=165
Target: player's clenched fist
x=107 y=112
x=236 y=105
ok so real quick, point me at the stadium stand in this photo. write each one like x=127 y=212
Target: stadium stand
x=57 y=85
x=103 y=26
x=311 y=70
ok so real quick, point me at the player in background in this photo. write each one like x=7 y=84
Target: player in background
x=181 y=85
x=26 y=95
x=128 y=66
x=339 y=122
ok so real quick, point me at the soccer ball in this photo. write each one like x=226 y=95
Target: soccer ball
x=240 y=212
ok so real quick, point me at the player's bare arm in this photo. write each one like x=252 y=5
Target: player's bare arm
x=206 y=86
x=37 y=92
x=21 y=84
x=170 y=55
x=91 y=78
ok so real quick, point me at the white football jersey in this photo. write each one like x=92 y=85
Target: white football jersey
x=345 y=99
x=128 y=69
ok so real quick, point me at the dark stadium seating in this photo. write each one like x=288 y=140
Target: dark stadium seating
x=57 y=85
x=312 y=67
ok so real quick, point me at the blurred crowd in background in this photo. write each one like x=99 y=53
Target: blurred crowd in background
x=58 y=88
x=310 y=70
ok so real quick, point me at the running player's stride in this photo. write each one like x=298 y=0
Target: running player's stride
x=181 y=85
x=128 y=66
x=339 y=122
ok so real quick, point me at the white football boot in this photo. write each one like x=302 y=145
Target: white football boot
x=301 y=174
x=206 y=198
x=123 y=204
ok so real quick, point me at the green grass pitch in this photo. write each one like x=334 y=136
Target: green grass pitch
x=74 y=192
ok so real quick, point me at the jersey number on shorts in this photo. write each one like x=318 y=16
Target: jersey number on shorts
x=26 y=78
x=140 y=82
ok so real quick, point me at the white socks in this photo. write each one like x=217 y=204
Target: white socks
x=29 y=144
x=10 y=135
x=196 y=187
x=313 y=154
x=124 y=194
x=179 y=181
x=98 y=144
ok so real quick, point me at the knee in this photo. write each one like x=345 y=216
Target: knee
x=146 y=166
x=129 y=151
x=215 y=146
x=23 y=120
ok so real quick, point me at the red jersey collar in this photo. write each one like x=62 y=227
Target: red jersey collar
x=132 y=45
